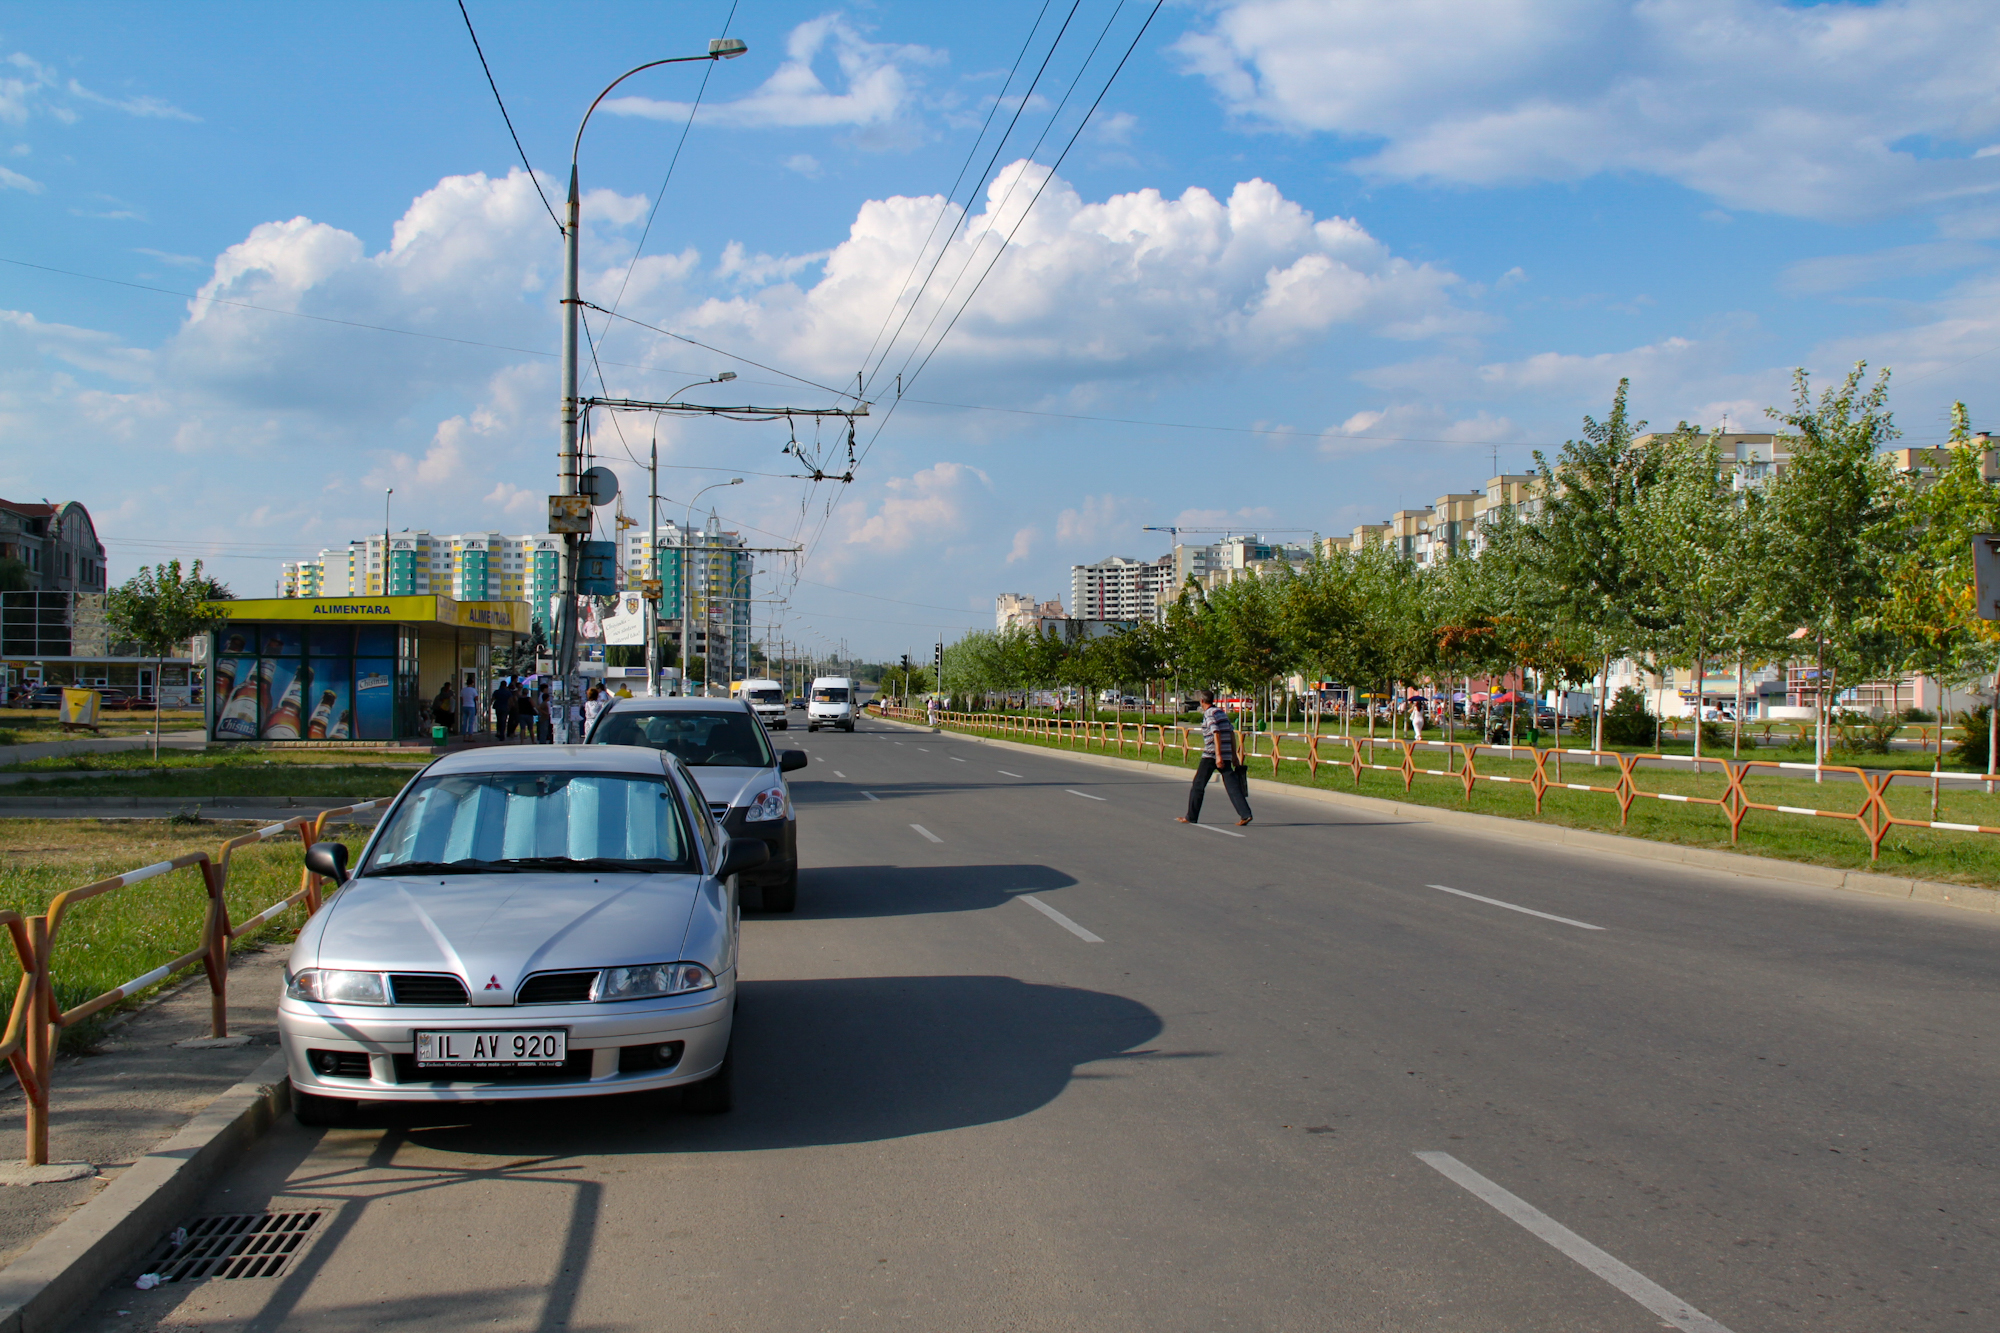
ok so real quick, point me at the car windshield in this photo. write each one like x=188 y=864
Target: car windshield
x=500 y=822
x=830 y=695
x=725 y=738
x=765 y=696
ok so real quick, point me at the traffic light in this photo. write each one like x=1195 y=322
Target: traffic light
x=937 y=656
x=906 y=664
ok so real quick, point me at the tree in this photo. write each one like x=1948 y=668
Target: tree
x=1581 y=548
x=1930 y=610
x=1832 y=510
x=1694 y=554
x=14 y=575
x=159 y=609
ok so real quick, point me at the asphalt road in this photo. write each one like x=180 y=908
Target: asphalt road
x=1032 y=1056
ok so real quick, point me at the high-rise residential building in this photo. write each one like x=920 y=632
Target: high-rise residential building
x=1120 y=588
x=718 y=578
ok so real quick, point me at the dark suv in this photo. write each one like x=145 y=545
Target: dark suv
x=741 y=777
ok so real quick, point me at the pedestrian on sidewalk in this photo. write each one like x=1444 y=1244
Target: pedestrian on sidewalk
x=468 y=705
x=1218 y=755
x=503 y=710
x=442 y=710
x=545 y=722
x=594 y=704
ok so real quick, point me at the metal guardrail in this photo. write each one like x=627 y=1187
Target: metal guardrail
x=1871 y=815
x=29 y=1042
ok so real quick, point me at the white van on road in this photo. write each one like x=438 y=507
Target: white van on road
x=830 y=703
x=766 y=698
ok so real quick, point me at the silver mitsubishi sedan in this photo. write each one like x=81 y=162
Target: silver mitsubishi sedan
x=526 y=922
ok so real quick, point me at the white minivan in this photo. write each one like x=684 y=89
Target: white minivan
x=766 y=698
x=831 y=703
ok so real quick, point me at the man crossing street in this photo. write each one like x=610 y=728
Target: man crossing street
x=1218 y=755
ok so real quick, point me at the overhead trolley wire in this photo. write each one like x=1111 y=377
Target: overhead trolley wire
x=504 y=116
x=944 y=209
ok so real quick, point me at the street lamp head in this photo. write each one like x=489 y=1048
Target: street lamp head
x=736 y=481
x=727 y=48
x=725 y=377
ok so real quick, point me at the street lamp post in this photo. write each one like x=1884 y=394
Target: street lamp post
x=653 y=544
x=721 y=48
x=687 y=588
x=386 y=493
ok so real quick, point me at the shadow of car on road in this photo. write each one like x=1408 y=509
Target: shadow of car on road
x=828 y=1061
x=836 y=893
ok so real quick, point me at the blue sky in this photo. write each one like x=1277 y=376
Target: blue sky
x=1416 y=237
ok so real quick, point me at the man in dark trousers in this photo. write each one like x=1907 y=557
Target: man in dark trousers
x=503 y=709
x=1218 y=755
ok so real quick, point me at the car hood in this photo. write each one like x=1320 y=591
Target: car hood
x=730 y=786
x=495 y=930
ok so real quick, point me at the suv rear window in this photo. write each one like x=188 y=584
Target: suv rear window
x=727 y=738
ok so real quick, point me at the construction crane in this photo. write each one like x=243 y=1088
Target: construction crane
x=1175 y=532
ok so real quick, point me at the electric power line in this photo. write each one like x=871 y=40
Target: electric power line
x=536 y=180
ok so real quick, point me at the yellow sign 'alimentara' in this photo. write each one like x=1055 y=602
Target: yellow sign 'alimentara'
x=507 y=616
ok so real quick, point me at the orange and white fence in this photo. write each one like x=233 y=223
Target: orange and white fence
x=29 y=1043
x=1466 y=765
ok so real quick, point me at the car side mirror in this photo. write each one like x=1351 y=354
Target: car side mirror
x=742 y=854
x=328 y=860
x=791 y=761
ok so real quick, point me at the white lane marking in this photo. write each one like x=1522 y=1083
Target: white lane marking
x=927 y=833
x=871 y=796
x=1005 y=774
x=925 y=748
x=1539 y=1224
x=837 y=773
x=956 y=760
x=1061 y=920
x=1084 y=794
x=1515 y=907
x=1227 y=832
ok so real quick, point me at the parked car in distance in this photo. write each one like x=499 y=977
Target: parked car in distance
x=741 y=778
x=525 y=922
x=799 y=702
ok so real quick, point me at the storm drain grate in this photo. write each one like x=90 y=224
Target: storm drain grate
x=233 y=1245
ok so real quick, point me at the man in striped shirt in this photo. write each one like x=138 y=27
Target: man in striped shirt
x=1218 y=755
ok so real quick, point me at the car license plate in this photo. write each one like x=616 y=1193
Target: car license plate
x=535 y=1047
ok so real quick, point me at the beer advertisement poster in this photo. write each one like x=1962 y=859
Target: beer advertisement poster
x=375 y=696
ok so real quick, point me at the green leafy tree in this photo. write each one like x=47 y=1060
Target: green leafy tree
x=159 y=609
x=1833 y=512
x=14 y=575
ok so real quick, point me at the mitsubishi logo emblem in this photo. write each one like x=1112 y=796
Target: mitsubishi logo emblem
x=493 y=982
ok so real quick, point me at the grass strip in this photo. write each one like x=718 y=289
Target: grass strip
x=1959 y=858
x=359 y=781
x=108 y=940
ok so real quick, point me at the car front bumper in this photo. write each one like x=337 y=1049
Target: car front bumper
x=599 y=1037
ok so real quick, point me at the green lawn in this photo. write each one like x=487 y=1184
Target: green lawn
x=1918 y=853
x=194 y=782
x=215 y=757
x=22 y=726
x=126 y=933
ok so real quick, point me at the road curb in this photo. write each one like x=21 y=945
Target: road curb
x=49 y=1285
x=1970 y=897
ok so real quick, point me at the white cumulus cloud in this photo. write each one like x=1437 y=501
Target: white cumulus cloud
x=1811 y=110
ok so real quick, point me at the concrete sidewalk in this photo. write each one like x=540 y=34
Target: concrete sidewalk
x=137 y=1088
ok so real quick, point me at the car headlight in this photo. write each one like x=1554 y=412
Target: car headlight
x=771 y=803
x=650 y=980
x=335 y=987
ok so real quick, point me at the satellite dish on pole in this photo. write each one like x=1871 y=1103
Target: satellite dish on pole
x=600 y=484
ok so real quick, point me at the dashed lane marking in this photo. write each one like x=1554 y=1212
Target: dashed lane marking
x=837 y=773
x=1084 y=794
x=871 y=796
x=1061 y=920
x=1515 y=907
x=1005 y=774
x=1539 y=1224
x=927 y=833
x=1226 y=832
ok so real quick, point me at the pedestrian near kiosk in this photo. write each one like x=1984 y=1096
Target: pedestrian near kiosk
x=1218 y=755
x=503 y=709
x=468 y=705
x=545 y=722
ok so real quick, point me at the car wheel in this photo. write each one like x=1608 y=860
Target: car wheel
x=782 y=896
x=716 y=1094
x=812 y=726
x=313 y=1109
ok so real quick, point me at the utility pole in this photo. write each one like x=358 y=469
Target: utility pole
x=565 y=515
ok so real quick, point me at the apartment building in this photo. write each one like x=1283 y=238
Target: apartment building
x=56 y=543
x=1017 y=610
x=1121 y=588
